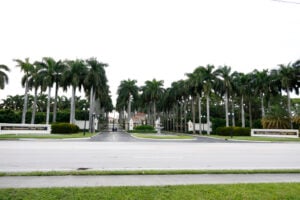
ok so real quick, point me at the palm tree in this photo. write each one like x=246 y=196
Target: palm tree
x=50 y=71
x=35 y=81
x=58 y=69
x=288 y=78
x=209 y=80
x=178 y=93
x=154 y=90
x=74 y=76
x=27 y=67
x=3 y=76
x=261 y=81
x=95 y=80
x=196 y=88
x=13 y=102
x=241 y=82
x=225 y=86
x=127 y=91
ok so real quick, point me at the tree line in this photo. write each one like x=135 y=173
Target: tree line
x=40 y=76
x=234 y=95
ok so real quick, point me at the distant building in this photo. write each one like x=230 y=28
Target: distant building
x=139 y=118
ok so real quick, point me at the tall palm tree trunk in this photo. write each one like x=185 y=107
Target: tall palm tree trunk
x=48 y=105
x=199 y=113
x=148 y=115
x=72 y=111
x=226 y=109
x=181 y=122
x=232 y=113
x=55 y=103
x=129 y=112
x=174 y=120
x=289 y=107
x=91 y=124
x=243 y=112
x=208 y=114
x=262 y=105
x=185 y=120
x=250 y=114
x=194 y=114
x=25 y=103
x=34 y=106
x=154 y=111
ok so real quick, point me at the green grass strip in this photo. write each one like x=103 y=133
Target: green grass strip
x=46 y=136
x=266 y=191
x=264 y=139
x=147 y=172
x=162 y=137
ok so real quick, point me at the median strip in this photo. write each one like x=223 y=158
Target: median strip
x=146 y=172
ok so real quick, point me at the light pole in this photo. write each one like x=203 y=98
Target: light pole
x=231 y=115
x=93 y=124
x=84 y=113
x=202 y=122
x=113 y=128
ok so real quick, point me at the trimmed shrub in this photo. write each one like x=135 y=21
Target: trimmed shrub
x=64 y=128
x=234 y=131
x=143 y=129
x=217 y=122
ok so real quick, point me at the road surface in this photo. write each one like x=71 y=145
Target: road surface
x=40 y=155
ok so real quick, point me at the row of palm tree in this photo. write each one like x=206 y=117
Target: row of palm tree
x=232 y=89
x=78 y=74
x=15 y=103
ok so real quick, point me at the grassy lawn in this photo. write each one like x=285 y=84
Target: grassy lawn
x=42 y=136
x=229 y=191
x=270 y=139
x=162 y=136
x=147 y=172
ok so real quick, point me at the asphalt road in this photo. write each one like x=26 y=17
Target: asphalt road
x=40 y=155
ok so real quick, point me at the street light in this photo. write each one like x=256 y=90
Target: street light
x=113 y=129
x=231 y=115
x=202 y=117
x=93 y=124
x=84 y=113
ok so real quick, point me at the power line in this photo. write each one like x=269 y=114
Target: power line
x=283 y=1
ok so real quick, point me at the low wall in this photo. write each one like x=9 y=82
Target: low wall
x=7 y=128
x=289 y=133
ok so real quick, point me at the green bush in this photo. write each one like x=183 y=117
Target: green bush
x=64 y=128
x=143 y=129
x=234 y=131
x=217 y=122
x=9 y=116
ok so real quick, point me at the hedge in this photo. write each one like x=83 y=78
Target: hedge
x=143 y=129
x=64 y=128
x=234 y=131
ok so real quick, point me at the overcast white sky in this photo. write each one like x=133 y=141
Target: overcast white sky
x=146 y=39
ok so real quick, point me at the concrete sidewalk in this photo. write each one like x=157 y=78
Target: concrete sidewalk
x=141 y=180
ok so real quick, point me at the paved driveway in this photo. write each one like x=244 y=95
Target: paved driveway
x=122 y=136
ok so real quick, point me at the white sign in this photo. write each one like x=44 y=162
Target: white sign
x=288 y=133
x=7 y=128
x=130 y=124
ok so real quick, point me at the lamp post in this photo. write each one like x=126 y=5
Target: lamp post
x=231 y=115
x=93 y=122
x=113 y=128
x=202 y=122
x=84 y=113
